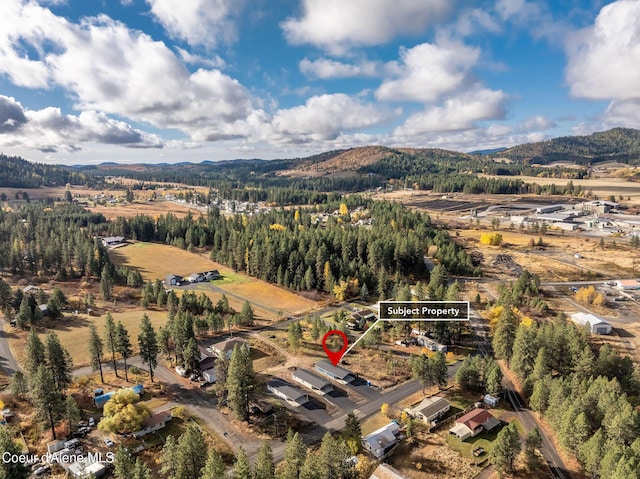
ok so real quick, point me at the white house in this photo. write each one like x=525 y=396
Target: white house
x=172 y=280
x=431 y=409
x=595 y=324
x=112 y=241
x=153 y=423
x=225 y=348
x=341 y=375
x=293 y=396
x=311 y=381
x=379 y=442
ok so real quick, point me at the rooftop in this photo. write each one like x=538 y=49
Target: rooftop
x=335 y=371
x=310 y=378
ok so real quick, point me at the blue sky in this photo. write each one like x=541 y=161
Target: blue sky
x=190 y=80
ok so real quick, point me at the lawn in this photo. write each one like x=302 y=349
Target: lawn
x=374 y=423
x=484 y=440
x=74 y=333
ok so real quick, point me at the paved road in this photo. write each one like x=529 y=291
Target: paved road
x=7 y=362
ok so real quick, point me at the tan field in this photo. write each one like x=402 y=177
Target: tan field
x=74 y=333
x=155 y=261
x=151 y=208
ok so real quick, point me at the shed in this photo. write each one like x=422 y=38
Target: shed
x=173 y=280
x=595 y=324
x=490 y=400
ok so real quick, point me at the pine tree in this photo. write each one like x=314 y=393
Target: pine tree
x=352 y=430
x=192 y=453
x=504 y=334
x=45 y=398
x=141 y=470
x=19 y=385
x=59 y=361
x=169 y=457
x=247 y=314
x=96 y=350
x=123 y=463
x=105 y=283
x=505 y=448
x=123 y=346
x=111 y=338
x=148 y=344
x=36 y=354
x=214 y=467
x=532 y=444
x=440 y=370
x=294 y=456
x=264 y=468
x=241 y=467
x=294 y=332
x=240 y=382
x=72 y=411
x=8 y=448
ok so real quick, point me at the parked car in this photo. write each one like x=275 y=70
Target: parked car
x=78 y=434
x=478 y=451
x=108 y=442
x=42 y=470
x=92 y=422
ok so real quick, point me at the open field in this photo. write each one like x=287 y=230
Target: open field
x=74 y=333
x=556 y=261
x=155 y=261
x=148 y=208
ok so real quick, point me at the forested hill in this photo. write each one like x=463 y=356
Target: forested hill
x=618 y=144
x=18 y=173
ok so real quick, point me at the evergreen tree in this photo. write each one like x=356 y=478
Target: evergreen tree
x=192 y=453
x=214 y=467
x=45 y=398
x=141 y=470
x=148 y=344
x=123 y=463
x=294 y=456
x=240 y=382
x=106 y=283
x=439 y=368
x=241 y=467
x=123 y=346
x=532 y=444
x=504 y=334
x=19 y=385
x=72 y=411
x=264 y=468
x=505 y=448
x=247 y=314
x=352 y=432
x=111 y=338
x=96 y=350
x=493 y=377
x=294 y=332
x=169 y=457
x=8 y=448
x=59 y=361
x=36 y=353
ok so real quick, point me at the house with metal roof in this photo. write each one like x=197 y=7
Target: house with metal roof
x=595 y=324
x=341 y=375
x=385 y=471
x=431 y=409
x=225 y=348
x=312 y=381
x=292 y=395
x=382 y=440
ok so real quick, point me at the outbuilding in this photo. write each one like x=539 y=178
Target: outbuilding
x=595 y=324
x=312 y=381
x=627 y=284
x=341 y=375
x=292 y=395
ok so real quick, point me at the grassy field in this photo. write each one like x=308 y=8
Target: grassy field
x=74 y=333
x=155 y=261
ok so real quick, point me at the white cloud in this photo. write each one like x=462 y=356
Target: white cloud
x=460 y=112
x=49 y=130
x=536 y=122
x=623 y=113
x=427 y=71
x=324 y=117
x=337 y=25
x=199 y=22
x=105 y=66
x=192 y=59
x=604 y=60
x=327 y=68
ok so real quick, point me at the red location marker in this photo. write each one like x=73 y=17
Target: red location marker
x=335 y=356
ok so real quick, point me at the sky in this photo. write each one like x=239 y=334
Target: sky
x=149 y=81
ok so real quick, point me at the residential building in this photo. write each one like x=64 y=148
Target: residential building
x=293 y=396
x=627 y=284
x=595 y=324
x=111 y=241
x=473 y=423
x=173 y=280
x=431 y=409
x=84 y=469
x=385 y=471
x=311 y=381
x=225 y=348
x=153 y=423
x=341 y=375
x=381 y=441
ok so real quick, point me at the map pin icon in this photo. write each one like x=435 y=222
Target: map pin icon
x=335 y=356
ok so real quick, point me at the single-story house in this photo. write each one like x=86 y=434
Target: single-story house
x=341 y=375
x=112 y=240
x=473 y=423
x=627 y=284
x=595 y=324
x=293 y=396
x=153 y=423
x=173 y=280
x=425 y=341
x=313 y=382
x=225 y=348
x=431 y=409
x=380 y=441
x=385 y=471
x=31 y=289
x=83 y=469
